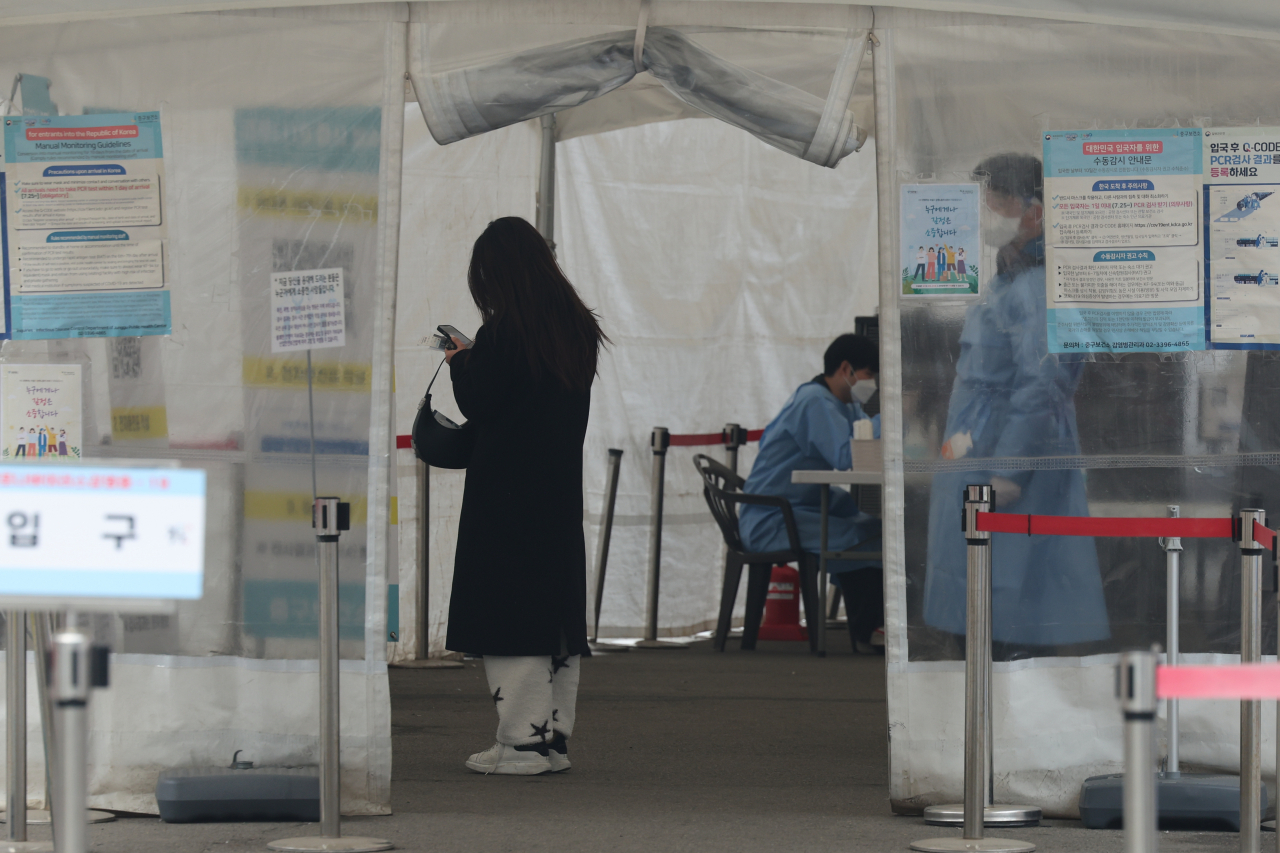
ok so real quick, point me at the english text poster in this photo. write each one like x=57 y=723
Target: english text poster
x=86 y=226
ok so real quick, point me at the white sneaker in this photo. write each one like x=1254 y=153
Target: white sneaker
x=558 y=753
x=877 y=637
x=505 y=760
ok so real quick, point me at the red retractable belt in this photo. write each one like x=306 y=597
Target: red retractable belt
x=709 y=438
x=1062 y=525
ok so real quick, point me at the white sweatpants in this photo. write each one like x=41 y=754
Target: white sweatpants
x=535 y=696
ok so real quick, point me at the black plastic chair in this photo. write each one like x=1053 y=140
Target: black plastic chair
x=723 y=490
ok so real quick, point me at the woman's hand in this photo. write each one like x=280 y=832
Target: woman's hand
x=450 y=353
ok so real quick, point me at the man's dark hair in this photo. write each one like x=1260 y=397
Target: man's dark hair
x=1017 y=175
x=858 y=350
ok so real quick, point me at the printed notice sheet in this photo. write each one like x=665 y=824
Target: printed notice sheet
x=941 y=240
x=307 y=310
x=1123 y=240
x=86 y=226
x=40 y=417
x=1242 y=254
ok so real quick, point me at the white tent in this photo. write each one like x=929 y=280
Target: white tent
x=721 y=266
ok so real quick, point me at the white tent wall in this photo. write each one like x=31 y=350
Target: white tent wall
x=272 y=142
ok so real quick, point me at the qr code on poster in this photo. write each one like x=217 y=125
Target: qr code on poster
x=126 y=358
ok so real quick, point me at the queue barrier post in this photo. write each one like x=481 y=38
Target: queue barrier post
x=659 y=441
x=1250 y=652
x=602 y=548
x=977 y=691
x=1172 y=556
x=76 y=666
x=734 y=437
x=329 y=517
x=1136 y=690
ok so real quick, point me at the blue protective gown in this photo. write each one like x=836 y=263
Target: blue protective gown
x=1012 y=398
x=811 y=433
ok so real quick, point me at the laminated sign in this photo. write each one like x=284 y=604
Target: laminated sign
x=86 y=226
x=1123 y=240
x=307 y=310
x=1242 y=253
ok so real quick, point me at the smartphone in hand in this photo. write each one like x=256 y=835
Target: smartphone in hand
x=444 y=340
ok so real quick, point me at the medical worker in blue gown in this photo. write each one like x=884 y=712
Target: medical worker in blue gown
x=1013 y=399
x=812 y=433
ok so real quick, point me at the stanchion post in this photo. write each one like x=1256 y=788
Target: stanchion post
x=602 y=547
x=1250 y=709
x=1136 y=690
x=977 y=689
x=659 y=441
x=76 y=666
x=1172 y=556
x=734 y=436
x=329 y=517
x=15 y=706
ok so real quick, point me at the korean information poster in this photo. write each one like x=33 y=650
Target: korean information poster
x=1123 y=240
x=1242 y=252
x=307 y=310
x=40 y=417
x=86 y=226
x=941 y=243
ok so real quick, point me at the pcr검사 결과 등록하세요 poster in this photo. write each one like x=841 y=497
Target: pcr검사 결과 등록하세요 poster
x=1123 y=240
x=1242 y=252
x=86 y=226
x=940 y=239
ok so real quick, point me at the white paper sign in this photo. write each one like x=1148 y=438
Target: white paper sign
x=79 y=532
x=307 y=310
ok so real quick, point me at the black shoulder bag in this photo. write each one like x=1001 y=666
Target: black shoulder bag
x=438 y=441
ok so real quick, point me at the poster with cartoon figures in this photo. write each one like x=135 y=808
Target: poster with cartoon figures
x=39 y=413
x=940 y=239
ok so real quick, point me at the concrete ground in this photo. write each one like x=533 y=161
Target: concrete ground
x=674 y=751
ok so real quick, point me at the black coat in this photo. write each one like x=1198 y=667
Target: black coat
x=520 y=573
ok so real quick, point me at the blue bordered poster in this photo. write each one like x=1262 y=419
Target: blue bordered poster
x=1123 y=240
x=86 y=226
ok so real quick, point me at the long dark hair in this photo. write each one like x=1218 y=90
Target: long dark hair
x=525 y=299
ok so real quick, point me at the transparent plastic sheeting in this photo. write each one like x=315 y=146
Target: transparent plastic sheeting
x=721 y=269
x=272 y=134
x=1108 y=435
x=461 y=102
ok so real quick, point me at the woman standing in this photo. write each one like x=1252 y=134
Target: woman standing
x=519 y=578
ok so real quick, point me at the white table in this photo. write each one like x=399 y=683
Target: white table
x=827 y=479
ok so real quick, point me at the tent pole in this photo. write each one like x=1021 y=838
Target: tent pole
x=546 y=213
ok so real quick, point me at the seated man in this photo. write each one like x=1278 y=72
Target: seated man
x=812 y=433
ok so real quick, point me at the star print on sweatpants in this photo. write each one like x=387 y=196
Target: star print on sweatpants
x=532 y=706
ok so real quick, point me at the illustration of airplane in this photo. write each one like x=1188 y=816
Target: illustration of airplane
x=1262 y=279
x=1244 y=207
x=1259 y=242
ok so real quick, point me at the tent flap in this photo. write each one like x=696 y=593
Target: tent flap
x=459 y=103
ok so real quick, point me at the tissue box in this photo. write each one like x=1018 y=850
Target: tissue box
x=867 y=455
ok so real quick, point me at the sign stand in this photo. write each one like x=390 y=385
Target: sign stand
x=330 y=517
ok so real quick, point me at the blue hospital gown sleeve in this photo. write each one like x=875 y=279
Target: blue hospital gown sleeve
x=823 y=430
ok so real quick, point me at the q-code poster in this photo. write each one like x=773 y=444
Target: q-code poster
x=1123 y=240
x=40 y=417
x=939 y=239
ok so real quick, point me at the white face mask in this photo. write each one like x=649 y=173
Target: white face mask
x=862 y=390
x=999 y=231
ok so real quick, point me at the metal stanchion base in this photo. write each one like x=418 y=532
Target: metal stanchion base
x=952 y=814
x=26 y=847
x=427 y=663
x=40 y=817
x=321 y=844
x=1269 y=825
x=659 y=644
x=607 y=648
x=972 y=845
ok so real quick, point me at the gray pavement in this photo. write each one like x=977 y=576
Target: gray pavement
x=674 y=751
